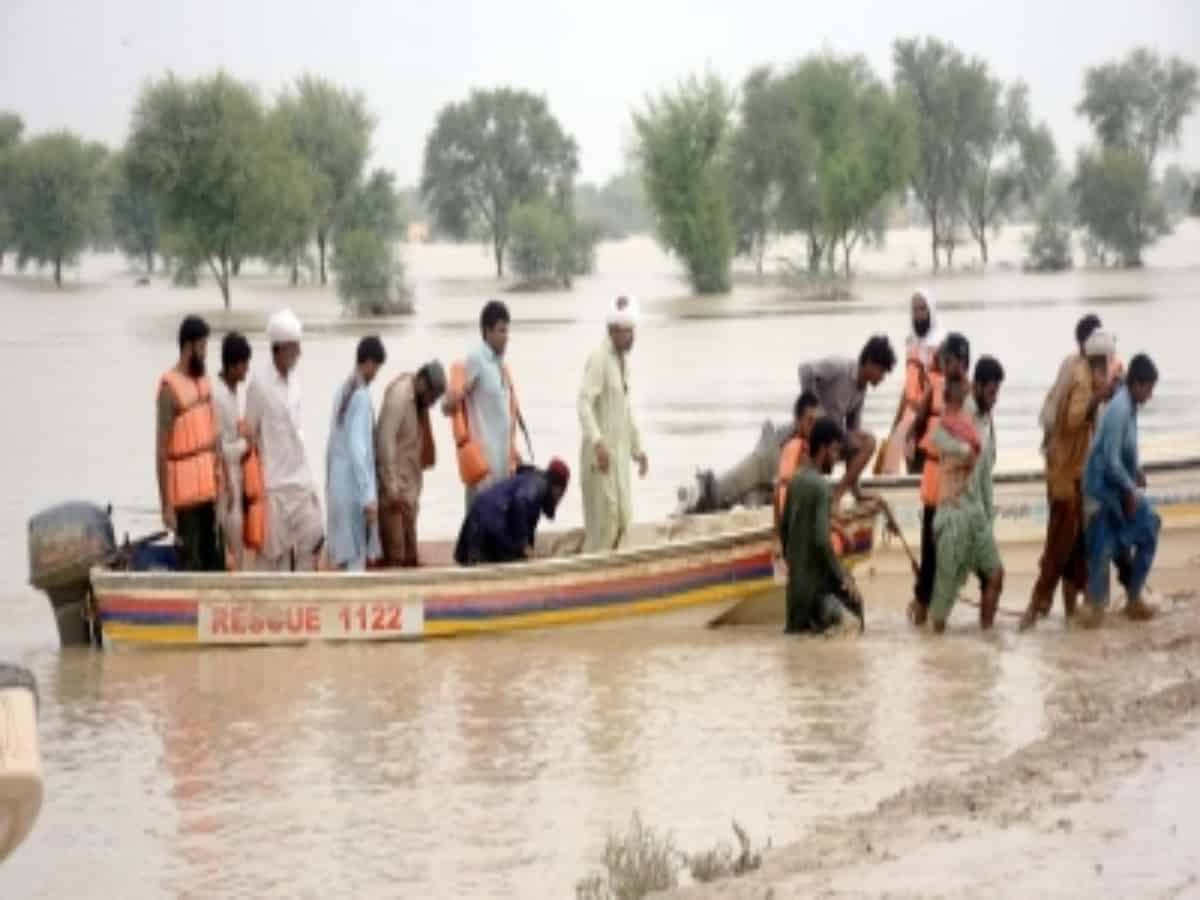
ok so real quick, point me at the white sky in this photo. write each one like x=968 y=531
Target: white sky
x=79 y=64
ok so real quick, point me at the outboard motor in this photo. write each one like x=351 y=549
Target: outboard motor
x=65 y=542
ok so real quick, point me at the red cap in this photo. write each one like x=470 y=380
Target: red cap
x=558 y=472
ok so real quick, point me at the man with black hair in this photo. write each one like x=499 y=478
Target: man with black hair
x=841 y=383
x=233 y=439
x=186 y=452
x=1119 y=521
x=351 y=495
x=1084 y=329
x=794 y=453
x=818 y=591
x=485 y=389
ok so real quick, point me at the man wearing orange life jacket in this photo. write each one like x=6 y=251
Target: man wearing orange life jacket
x=795 y=451
x=919 y=350
x=232 y=439
x=188 y=469
x=481 y=401
x=953 y=362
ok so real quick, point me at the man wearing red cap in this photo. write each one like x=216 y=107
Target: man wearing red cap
x=501 y=524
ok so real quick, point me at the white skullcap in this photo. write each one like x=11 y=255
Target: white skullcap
x=284 y=328
x=1101 y=343
x=624 y=312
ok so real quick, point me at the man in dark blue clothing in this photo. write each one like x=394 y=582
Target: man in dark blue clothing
x=502 y=522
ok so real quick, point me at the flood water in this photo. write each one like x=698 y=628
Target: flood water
x=495 y=767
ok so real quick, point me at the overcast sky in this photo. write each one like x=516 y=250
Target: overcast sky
x=80 y=64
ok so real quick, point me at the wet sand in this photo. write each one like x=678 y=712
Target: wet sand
x=1101 y=803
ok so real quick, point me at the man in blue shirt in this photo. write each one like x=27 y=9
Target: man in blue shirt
x=501 y=526
x=1119 y=522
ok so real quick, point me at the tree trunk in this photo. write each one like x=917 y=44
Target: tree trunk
x=950 y=253
x=149 y=262
x=222 y=276
x=815 y=252
x=58 y=271
x=321 y=253
x=498 y=250
x=295 y=279
x=236 y=266
x=846 y=247
x=760 y=252
x=983 y=246
x=933 y=241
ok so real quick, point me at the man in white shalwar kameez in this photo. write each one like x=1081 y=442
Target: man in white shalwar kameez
x=295 y=532
x=610 y=436
x=232 y=432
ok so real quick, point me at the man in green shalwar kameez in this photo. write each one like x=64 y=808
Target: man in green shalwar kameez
x=819 y=592
x=610 y=437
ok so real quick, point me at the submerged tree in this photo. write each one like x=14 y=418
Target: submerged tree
x=331 y=129
x=683 y=149
x=54 y=199
x=490 y=153
x=11 y=126
x=133 y=212
x=1136 y=107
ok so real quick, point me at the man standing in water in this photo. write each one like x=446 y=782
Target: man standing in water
x=404 y=449
x=1066 y=376
x=295 y=534
x=186 y=452
x=611 y=441
x=1066 y=453
x=841 y=385
x=919 y=350
x=818 y=590
x=485 y=393
x=351 y=497
x=952 y=362
x=794 y=453
x=235 y=364
x=1119 y=521
x=966 y=444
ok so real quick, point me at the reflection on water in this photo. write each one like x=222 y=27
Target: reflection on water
x=496 y=766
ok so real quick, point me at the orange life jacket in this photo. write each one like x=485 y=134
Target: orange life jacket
x=930 y=474
x=472 y=461
x=789 y=463
x=192 y=444
x=915 y=379
x=254 y=500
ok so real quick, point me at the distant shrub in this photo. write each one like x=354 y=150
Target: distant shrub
x=548 y=248
x=369 y=277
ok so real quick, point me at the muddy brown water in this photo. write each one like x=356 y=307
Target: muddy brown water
x=495 y=767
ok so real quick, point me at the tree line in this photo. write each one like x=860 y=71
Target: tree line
x=210 y=175
x=825 y=149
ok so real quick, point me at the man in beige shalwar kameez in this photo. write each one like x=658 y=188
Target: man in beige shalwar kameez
x=610 y=437
x=404 y=449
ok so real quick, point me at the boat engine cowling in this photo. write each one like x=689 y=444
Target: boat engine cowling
x=65 y=542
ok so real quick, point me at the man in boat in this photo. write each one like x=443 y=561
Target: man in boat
x=611 y=441
x=1073 y=423
x=920 y=348
x=482 y=403
x=1118 y=519
x=952 y=362
x=1063 y=382
x=404 y=449
x=966 y=445
x=232 y=435
x=841 y=383
x=819 y=591
x=501 y=525
x=186 y=452
x=295 y=532
x=351 y=495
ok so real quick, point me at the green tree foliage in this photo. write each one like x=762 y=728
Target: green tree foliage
x=619 y=206
x=211 y=156
x=1117 y=204
x=1048 y=249
x=684 y=150
x=1178 y=188
x=133 y=212
x=951 y=98
x=55 y=199
x=1009 y=159
x=548 y=247
x=375 y=206
x=369 y=276
x=11 y=127
x=285 y=237
x=487 y=155
x=331 y=129
x=1137 y=107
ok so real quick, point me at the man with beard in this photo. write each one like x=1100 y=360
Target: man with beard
x=404 y=449
x=1084 y=329
x=186 y=452
x=818 y=591
x=919 y=350
x=501 y=525
x=295 y=531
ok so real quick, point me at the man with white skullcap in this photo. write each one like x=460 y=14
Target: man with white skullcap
x=1073 y=421
x=610 y=436
x=295 y=532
